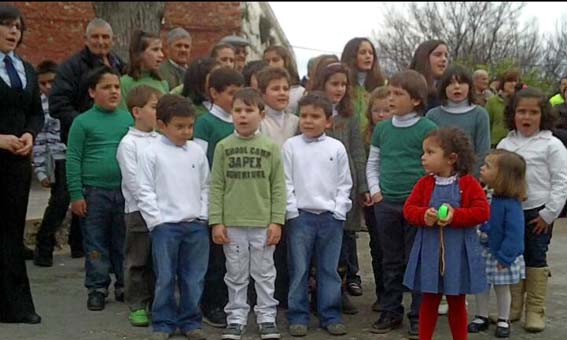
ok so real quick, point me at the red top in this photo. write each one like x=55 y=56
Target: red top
x=474 y=205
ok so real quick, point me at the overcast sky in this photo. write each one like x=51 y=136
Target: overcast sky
x=313 y=28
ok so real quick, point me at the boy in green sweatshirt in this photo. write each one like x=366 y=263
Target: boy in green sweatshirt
x=246 y=211
x=93 y=180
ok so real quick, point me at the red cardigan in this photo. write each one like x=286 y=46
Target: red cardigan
x=474 y=205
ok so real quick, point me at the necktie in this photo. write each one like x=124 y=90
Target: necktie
x=15 y=80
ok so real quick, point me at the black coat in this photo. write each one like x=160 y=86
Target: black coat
x=70 y=95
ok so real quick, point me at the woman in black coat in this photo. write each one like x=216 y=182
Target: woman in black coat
x=21 y=118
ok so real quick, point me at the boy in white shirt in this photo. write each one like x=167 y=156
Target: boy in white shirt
x=138 y=274
x=318 y=187
x=173 y=181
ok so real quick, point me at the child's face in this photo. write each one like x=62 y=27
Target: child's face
x=400 y=101
x=336 y=86
x=313 y=121
x=438 y=60
x=106 y=93
x=179 y=129
x=277 y=94
x=224 y=98
x=380 y=110
x=434 y=159
x=456 y=91
x=146 y=115
x=364 y=57
x=246 y=118
x=527 y=118
x=10 y=34
x=180 y=50
x=152 y=56
x=226 y=57
x=274 y=59
x=489 y=170
x=45 y=81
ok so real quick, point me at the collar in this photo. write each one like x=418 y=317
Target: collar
x=445 y=180
x=313 y=140
x=274 y=113
x=139 y=133
x=542 y=134
x=361 y=78
x=167 y=141
x=406 y=120
x=335 y=111
x=11 y=55
x=221 y=114
x=256 y=133
x=176 y=64
x=100 y=109
x=458 y=108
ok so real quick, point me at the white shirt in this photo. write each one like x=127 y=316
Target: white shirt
x=173 y=183
x=295 y=94
x=546 y=170
x=279 y=126
x=128 y=154
x=317 y=176
x=18 y=65
x=221 y=114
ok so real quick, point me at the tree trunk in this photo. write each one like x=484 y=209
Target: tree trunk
x=125 y=17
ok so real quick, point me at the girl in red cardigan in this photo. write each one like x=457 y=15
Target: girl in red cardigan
x=446 y=255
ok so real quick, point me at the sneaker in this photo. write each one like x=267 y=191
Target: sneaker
x=502 y=329
x=354 y=288
x=233 y=331
x=336 y=329
x=269 y=330
x=196 y=334
x=139 y=318
x=348 y=306
x=479 y=324
x=96 y=301
x=443 y=308
x=386 y=323
x=413 y=330
x=215 y=317
x=298 y=330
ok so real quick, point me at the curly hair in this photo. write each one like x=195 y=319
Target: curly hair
x=547 y=115
x=455 y=141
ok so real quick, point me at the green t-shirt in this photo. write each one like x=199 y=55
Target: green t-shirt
x=127 y=83
x=91 y=151
x=212 y=130
x=400 y=156
x=247 y=183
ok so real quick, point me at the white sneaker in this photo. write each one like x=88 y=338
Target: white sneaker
x=443 y=307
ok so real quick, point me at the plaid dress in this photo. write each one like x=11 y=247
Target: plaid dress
x=507 y=276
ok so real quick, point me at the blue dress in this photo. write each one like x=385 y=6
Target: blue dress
x=464 y=265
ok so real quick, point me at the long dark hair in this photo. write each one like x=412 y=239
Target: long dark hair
x=344 y=107
x=420 y=61
x=374 y=77
x=139 y=42
x=195 y=78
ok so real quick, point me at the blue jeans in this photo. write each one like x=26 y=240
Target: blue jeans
x=535 y=246
x=319 y=235
x=179 y=250
x=103 y=238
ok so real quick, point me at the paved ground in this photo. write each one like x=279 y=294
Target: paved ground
x=61 y=301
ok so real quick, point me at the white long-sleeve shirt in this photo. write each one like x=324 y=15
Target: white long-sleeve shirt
x=129 y=150
x=546 y=171
x=317 y=176
x=173 y=182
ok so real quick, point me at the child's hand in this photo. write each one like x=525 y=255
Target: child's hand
x=449 y=219
x=220 y=235
x=365 y=200
x=274 y=234
x=430 y=217
x=377 y=198
x=45 y=183
x=79 y=208
x=540 y=226
x=500 y=266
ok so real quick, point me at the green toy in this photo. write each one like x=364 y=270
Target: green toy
x=443 y=212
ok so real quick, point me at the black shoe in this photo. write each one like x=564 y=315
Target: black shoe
x=502 y=332
x=77 y=254
x=31 y=318
x=386 y=323
x=475 y=327
x=119 y=295
x=348 y=306
x=215 y=317
x=28 y=253
x=41 y=261
x=354 y=288
x=96 y=301
x=413 y=329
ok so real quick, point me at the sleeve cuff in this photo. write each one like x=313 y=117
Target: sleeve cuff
x=292 y=214
x=547 y=216
x=374 y=189
x=41 y=176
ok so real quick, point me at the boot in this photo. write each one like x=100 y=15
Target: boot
x=518 y=292
x=536 y=287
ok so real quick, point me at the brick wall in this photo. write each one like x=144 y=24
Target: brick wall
x=55 y=30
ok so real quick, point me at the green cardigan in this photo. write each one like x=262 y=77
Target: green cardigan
x=496 y=106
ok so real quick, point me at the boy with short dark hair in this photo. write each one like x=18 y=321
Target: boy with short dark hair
x=93 y=180
x=393 y=168
x=210 y=129
x=138 y=274
x=316 y=210
x=247 y=210
x=173 y=189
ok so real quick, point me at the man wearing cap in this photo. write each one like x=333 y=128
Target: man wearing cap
x=239 y=44
x=178 y=52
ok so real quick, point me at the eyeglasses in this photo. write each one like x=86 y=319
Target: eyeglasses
x=11 y=24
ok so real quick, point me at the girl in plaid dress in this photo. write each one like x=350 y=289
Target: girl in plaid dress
x=505 y=173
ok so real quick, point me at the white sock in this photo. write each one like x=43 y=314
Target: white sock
x=503 y=301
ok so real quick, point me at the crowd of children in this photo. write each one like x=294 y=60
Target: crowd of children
x=242 y=188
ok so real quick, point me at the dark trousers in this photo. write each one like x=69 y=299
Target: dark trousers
x=215 y=294
x=15 y=295
x=139 y=279
x=375 y=251
x=535 y=246
x=348 y=263
x=282 y=271
x=396 y=238
x=75 y=234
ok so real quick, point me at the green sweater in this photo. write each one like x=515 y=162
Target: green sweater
x=400 y=156
x=212 y=130
x=247 y=183
x=496 y=105
x=127 y=83
x=91 y=151
x=360 y=106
